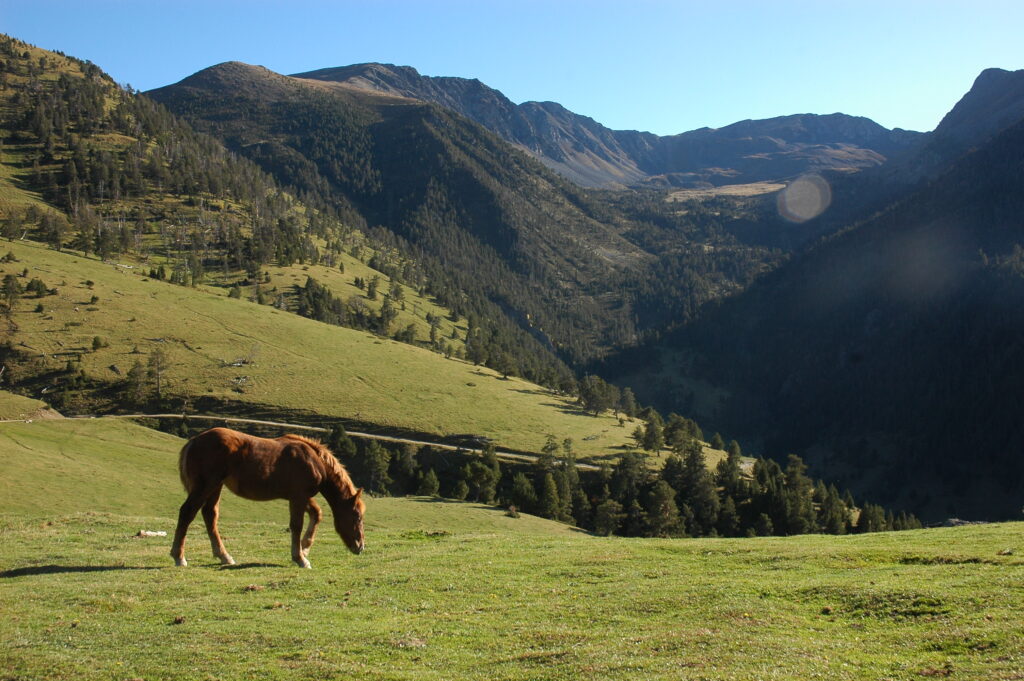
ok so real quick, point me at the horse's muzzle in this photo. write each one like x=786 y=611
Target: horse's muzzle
x=358 y=548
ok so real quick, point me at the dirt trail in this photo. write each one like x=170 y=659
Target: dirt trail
x=507 y=456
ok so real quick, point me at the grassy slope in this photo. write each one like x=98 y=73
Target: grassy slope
x=451 y=591
x=15 y=159
x=17 y=407
x=301 y=365
x=341 y=285
x=113 y=466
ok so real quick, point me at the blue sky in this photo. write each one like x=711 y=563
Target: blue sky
x=657 y=65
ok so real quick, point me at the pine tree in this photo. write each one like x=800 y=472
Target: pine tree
x=628 y=478
x=341 y=445
x=677 y=431
x=523 y=495
x=636 y=520
x=728 y=518
x=764 y=526
x=157 y=366
x=654 y=435
x=11 y=291
x=460 y=490
x=627 y=403
x=728 y=473
x=388 y=313
x=548 y=505
x=135 y=385
x=404 y=469
x=376 y=460
x=769 y=493
x=608 y=517
x=696 y=489
x=661 y=510
x=429 y=485
x=482 y=481
x=833 y=516
x=799 y=490
x=564 y=494
x=872 y=519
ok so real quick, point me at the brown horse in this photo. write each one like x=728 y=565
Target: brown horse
x=289 y=467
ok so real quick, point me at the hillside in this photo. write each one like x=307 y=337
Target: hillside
x=457 y=590
x=103 y=467
x=592 y=155
x=994 y=102
x=886 y=353
x=235 y=351
x=580 y=271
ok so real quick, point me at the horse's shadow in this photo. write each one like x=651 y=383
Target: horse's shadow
x=246 y=566
x=72 y=569
x=67 y=569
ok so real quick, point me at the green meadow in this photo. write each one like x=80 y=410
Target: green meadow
x=450 y=590
x=294 y=364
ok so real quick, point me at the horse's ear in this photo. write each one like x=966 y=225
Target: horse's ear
x=359 y=494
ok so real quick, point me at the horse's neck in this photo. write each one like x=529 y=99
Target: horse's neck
x=333 y=493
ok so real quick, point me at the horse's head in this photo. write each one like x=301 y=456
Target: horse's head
x=349 y=522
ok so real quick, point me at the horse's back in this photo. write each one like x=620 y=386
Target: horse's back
x=251 y=467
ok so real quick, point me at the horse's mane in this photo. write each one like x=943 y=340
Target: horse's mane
x=332 y=467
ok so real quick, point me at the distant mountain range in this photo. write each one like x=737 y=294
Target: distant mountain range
x=888 y=353
x=595 y=156
x=881 y=344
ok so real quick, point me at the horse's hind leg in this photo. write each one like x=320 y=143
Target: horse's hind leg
x=186 y=514
x=298 y=510
x=315 y=515
x=211 y=511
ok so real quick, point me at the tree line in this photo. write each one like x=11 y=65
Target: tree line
x=681 y=499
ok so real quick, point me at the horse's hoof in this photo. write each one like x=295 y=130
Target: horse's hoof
x=227 y=560
x=181 y=562
x=303 y=563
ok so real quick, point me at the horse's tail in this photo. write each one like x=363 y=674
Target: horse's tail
x=182 y=466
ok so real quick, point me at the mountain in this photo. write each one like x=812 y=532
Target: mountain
x=592 y=155
x=994 y=102
x=582 y=271
x=889 y=353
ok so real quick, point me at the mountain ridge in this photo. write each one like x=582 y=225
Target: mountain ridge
x=593 y=155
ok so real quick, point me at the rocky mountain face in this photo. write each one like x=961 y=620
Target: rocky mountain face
x=594 y=156
x=994 y=103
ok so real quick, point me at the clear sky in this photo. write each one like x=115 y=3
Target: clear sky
x=665 y=66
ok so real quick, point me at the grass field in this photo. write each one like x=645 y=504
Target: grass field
x=459 y=591
x=300 y=365
x=732 y=190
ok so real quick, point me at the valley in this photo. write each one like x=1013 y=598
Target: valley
x=398 y=253
x=730 y=402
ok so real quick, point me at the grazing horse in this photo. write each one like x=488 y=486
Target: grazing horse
x=289 y=467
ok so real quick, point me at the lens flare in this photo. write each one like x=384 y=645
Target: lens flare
x=804 y=198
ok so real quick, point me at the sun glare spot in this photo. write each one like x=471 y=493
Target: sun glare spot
x=805 y=198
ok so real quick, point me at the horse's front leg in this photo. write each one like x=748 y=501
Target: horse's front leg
x=298 y=510
x=315 y=516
